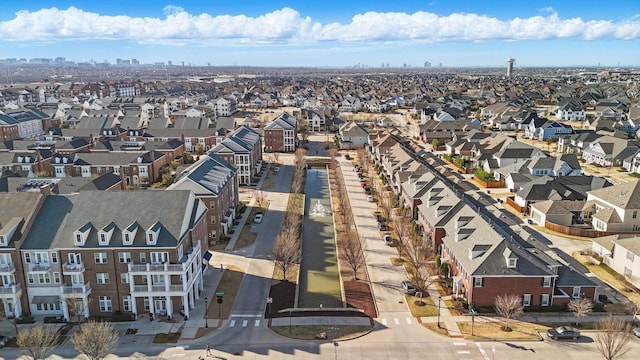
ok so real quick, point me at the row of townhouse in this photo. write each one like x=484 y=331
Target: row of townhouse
x=484 y=260
x=281 y=134
x=99 y=252
x=242 y=148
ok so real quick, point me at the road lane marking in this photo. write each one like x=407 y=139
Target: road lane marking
x=409 y=321
x=257 y=323
x=463 y=352
x=246 y=315
x=232 y=323
x=482 y=352
x=459 y=344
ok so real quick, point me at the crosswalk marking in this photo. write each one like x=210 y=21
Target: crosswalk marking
x=396 y=321
x=463 y=352
x=256 y=323
x=384 y=322
x=244 y=323
x=232 y=323
x=409 y=321
x=459 y=343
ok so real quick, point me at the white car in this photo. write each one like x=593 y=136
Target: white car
x=370 y=198
x=257 y=219
x=276 y=169
x=388 y=240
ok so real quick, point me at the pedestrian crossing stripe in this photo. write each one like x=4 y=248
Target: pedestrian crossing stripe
x=256 y=323
x=244 y=323
x=232 y=323
x=384 y=322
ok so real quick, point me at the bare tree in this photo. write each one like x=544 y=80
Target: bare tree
x=352 y=253
x=509 y=307
x=580 y=307
x=260 y=197
x=77 y=308
x=612 y=338
x=387 y=205
x=402 y=227
x=286 y=250
x=276 y=157
x=38 y=341
x=633 y=308
x=421 y=261
x=95 y=340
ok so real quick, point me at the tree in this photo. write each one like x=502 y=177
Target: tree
x=612 y=338
x=352 y=253
x=434 y=144
x=78 y=308
x=402 y=226
x=286 y=250
x=580 y=307
x=96 y=339
x=509 y=307
x=38 y=341
x=633 y=308
x=260 y=197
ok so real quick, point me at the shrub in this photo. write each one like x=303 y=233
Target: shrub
x=25 y=319
x=54 y=320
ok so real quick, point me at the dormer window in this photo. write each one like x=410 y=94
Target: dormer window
x=152 y=233
x=511 y=258
x=104 y=235
x=3 y=240
x=80 y=236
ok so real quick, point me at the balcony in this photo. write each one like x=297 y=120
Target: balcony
x=70 y=269
x=40 y=267
x=146 y=268
x=12 y=290
x=7 y=269
x=75 y=291
x=158 y=289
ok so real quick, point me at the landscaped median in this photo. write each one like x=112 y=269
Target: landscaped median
x=321 y=332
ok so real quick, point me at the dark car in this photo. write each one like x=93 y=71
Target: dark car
x=408 y=287
x=346 y=156
x=383 y=227
x=4 y=341
x=563 y=332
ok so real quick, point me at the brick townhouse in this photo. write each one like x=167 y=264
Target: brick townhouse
x=97 y=253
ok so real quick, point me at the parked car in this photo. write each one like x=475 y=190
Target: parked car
x=276 y=169
x=258 y=218
x=636 y=331
x=370 y=198
x=363 y=185
x=563 y=332
x=379 y=217
x=388 y=240
x=367 y=190
x=362 y=179
x=408 y=287
x=4 y=340
x=346 y=156
x=383 y=227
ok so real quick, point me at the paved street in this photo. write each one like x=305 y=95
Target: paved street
x=397 y=335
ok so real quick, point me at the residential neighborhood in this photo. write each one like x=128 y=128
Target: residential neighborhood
x=124 y=199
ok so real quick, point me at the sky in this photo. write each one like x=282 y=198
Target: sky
x=329 y=33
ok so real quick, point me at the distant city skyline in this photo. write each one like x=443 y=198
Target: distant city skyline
x=327 y=33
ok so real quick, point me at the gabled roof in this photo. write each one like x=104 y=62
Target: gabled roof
x=624 y=195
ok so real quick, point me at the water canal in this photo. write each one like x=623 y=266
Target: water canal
x=319 y=276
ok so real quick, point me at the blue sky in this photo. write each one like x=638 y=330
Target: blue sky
x=326 y=33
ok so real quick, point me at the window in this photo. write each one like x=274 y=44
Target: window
x=627 y=272
x=477 y=282
x=146 y=304
x=127 y=238
x=56 y=278
x=143 y=257
x=546 y=281
x=27 y=258
x=54 y=258
x=159 y=257
x=124 y=278
x=44 y=278
x=102 y=278
x=512 y=263
x=101 y=258
x=635 y=214
x=576 y=292
x=526 y=300
x=78 y=238
x=31 y=278
x=630 y=256
x=124 y=257
x=105 y=303
x=126 y=303
x=545 y=300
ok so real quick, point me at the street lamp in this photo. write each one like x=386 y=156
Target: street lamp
x=439 y=299
x=206 y=312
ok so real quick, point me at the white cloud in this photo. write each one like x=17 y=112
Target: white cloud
x=287 y=26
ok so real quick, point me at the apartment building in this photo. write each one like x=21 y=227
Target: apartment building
x=103 y=252
x=215 y=182
x=281 y=133
x=17 y=212
x=242 y=149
